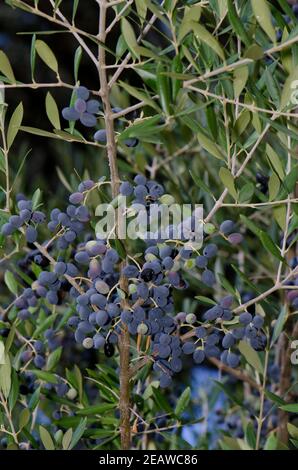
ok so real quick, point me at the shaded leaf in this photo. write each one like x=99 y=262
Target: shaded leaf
x=52 y=111
x=14 y=124
x=6 y=68
x=46 y=55
x=251 y=356
x=46 y=438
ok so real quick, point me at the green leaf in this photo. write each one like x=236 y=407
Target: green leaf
x=279 y=324
x=5 y=376
x=10 y=338
x=78 y=433
x=210 y=146
x=254 y=52
x=274 y=186
x=205 y=300
x=228 y=181
x=45 y=376
x=52 y=111
x=232 y=396
x=129 y=36
x=262 y=13
x=14 y=124
x=292 y=408
x=275 y=161
x=141 y=10
x=140 y=95
x=6 y=68
x=236 y=23
x=275 y=398
x=251 y=356
x=46 y=55
x=240 y=79
x=24 y=418
x=269 y=244
x=40 y=132
x=66 y=440
x=289 y=90
x=33 y=56
x=36 y=198
x=293 y=430
x=182 y=402
x=192 y=13
x=200 y=183
x=96 y=409
x=250 y=435
x=2 y=353
x=53 y=358
x=271 y=442
x=204 y=36
x=77 y=61
x=46 y=438
x=10 y=281
x=246 y=192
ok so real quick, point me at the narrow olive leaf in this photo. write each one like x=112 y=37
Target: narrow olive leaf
x=53 y=358
x=40 y=132
x=129 y=36
x=241 y=124
x=5 y=376
x=203 y=35
x=77 y=61
x=275 y=398
x=46 y=438
x=2 y=353
x=293 y=430
x=74 y=10
x=46 y=376
x=200 y=183
x=10 y=338
x=274 y=186
x=192 y=13
x=237 y=24
x=251 y=356
x=262 y=13
x=6 y=68
x=36 y=199
x=140 y=95
x=280 y=215
x=66 y=440
x=210 y=146
x=269 y=245
x=246 y=192
x=141 y=10
x=279 y=324
x=292 y=408
x=275 y=161
x=10 y=281
x=52 y=111
x=24 y=418
x=289 y=90
x=46 y=55
x=163 y=89
x=271 y=442
x=182 y=402
x=78 y=433
x=33 y=56
x=240 y=79
x=14 y=124
x=254 y=52
x=228 y=181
